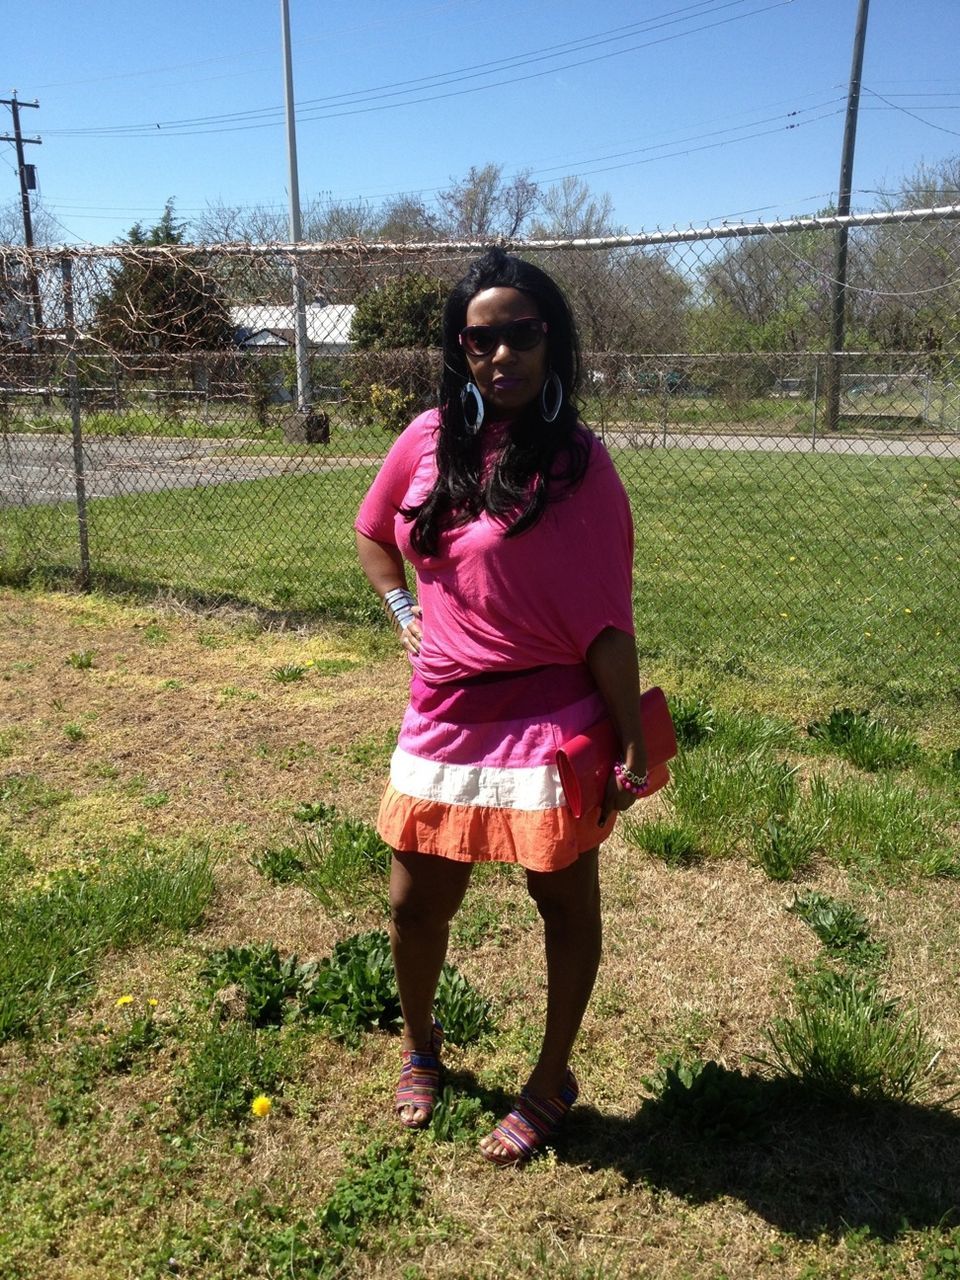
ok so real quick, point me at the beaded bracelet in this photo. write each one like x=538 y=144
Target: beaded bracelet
x=400 y=604
x=629 y=780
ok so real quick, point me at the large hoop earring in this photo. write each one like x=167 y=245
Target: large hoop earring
x=470 y=395
x=551 y=397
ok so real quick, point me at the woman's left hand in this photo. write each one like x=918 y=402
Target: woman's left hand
x=616 y=799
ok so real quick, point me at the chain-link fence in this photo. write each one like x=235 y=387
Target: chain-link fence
x=151 y=435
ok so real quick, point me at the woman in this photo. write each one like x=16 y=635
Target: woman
x=519 y=531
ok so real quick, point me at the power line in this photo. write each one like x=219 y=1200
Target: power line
x=322 y=113
x=383 y=198
x=439 y=79
x=912 y=114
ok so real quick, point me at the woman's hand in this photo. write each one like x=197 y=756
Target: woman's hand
x=616 y=799
x=411 y=636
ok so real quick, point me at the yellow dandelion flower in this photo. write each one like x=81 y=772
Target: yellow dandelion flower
x=908 y=611
x=261 y=1105
x=152 y=1002
x=124 y=1000
x=792 y=558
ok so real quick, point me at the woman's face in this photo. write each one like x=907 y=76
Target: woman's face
x=507 y=379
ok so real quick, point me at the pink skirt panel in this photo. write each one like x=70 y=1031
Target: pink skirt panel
x=474 y=776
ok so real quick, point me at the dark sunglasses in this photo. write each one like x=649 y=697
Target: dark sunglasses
x=519 y=335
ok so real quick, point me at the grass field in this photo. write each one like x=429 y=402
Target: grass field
x=817 y=574
x=196 y=1058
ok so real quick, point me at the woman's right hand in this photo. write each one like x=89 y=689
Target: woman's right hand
x=412 y=635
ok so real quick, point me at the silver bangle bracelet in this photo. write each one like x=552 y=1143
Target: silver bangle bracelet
x=400 y=605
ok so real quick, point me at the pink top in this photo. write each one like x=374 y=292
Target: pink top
x=492 y=603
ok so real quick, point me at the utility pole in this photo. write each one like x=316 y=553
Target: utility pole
x=26 y=185
x=296 y=233
x=838 y=326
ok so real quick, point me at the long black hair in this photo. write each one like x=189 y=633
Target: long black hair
x=539 y=459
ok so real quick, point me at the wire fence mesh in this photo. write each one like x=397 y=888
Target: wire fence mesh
x=151 y=436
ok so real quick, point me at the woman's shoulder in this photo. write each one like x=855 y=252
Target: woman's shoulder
x=596 y=459
x=599 y=475
x=417 y=438
x=425 y=424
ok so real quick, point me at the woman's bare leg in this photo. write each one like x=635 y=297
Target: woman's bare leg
x=569 y=903
x=425 y=892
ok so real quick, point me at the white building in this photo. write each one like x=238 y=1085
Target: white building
x=328 y=326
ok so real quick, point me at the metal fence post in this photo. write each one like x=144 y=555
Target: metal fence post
x=73 y=395
x=816 y=401
x=663 y=408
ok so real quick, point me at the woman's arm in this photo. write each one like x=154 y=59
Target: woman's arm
x=612 y=659
x=385 y=571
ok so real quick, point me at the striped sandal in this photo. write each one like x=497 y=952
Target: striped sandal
x=532 y=1124
x=419 y=1081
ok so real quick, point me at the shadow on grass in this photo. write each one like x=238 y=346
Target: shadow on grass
x=806 y=1165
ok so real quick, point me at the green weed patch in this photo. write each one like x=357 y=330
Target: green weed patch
x=52 y=939
x=847 y=1040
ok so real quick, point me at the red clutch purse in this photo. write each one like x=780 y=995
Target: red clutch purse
x=586 y=761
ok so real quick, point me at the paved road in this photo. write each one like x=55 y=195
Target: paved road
x=39 y=469
x=865 y=446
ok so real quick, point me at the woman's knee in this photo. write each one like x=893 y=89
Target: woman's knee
x=425 y=892
x=570 y=894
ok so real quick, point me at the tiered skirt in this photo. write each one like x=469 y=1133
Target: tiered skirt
x=474 y=775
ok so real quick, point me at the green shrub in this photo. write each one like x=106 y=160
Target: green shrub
x=725 y=797
x=355 y=989
x=379 y=1188
x=390 y=407
x=883 y=825
x=51 y=940
x=289 y=673
x=82 y=660
x=848 y=1041
x=282 y=865
x=404 y=312
x=692 y=720
x=865 y=740
x=268 y=987
x=784 y=845
x=840 y=927
x=458 y=1118
x=675 y=844
x=229 y=1065
x=345 y=864
x=709 y=1099
x=463 y=1013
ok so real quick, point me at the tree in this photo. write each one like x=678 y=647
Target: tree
x=241 y=224
x=911 y=298
x=927 y=186
x=569 y=209
x=45 y=227
x=161 y=302
x=482 y=206
x=404 y=312
x=768 y=293
x=406 y=218
x=396 y=320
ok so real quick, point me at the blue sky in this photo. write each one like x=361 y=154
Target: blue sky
x=681 y=110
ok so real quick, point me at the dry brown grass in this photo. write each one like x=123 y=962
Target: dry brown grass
x=696 y=963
